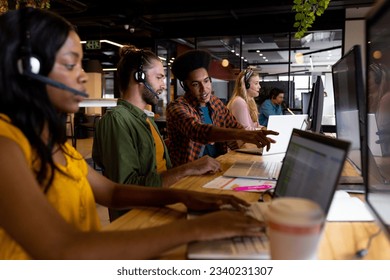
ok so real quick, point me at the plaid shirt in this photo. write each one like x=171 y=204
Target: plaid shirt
x=187 y=132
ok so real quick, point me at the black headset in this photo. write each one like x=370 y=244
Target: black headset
x=26 y=63
x=247 y=75
x=185 y=88
x=139 y=74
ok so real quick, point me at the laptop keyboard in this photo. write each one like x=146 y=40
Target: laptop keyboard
x=241 y=247
x=230 y=248
x=266 y=167
x=250 y=245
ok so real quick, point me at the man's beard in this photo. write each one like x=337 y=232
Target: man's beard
x=149 y=97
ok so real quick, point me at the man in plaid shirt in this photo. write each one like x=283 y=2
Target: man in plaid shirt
x=198 y=123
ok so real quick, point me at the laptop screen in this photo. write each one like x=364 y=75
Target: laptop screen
x=312 y=167
x=284 y=124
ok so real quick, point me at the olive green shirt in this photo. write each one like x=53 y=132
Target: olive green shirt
x=124 y=146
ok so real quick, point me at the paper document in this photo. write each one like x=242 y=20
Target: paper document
x=228 y=183
x=345 y=208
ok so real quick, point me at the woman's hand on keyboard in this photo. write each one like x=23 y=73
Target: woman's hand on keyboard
x=225 y=224
x=200 y=201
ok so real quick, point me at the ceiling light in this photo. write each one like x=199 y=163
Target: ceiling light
x=299 y=58
x=111 y=42
x=106 y=41
x=225 y=62
x=377 y=54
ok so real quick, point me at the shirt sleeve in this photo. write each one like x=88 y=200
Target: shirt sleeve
x=240 y=110
x=118 y=153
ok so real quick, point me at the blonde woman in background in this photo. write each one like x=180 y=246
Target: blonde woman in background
x=243 y=105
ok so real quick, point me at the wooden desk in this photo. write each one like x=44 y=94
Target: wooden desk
x=341 y=240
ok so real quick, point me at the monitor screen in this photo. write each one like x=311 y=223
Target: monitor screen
x=349 y=95
x=378 y=111
x=316 y=106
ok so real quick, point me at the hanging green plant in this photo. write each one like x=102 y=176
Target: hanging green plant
x=6 y=5
x=306 y=12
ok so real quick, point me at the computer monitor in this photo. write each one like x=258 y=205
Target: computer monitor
x=378 y=105
x=349 y=96
x=305 y=102
x=316 y=106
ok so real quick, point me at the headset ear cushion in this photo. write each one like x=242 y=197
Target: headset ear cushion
x=33 y=63
x=247 y=85
x=139 y=76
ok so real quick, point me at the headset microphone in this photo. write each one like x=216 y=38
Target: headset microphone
x=150 y=89
x=140 y=75
x=53 y=83
x=291 y=112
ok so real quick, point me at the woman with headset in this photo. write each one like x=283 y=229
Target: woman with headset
x=243 y=105
x=48 y=193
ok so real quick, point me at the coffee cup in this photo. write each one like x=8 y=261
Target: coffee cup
x=294 y=228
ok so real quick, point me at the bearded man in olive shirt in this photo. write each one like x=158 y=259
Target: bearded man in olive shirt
x=127 y=143
x=198 y=123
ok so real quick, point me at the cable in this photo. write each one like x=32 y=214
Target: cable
x=363 y=252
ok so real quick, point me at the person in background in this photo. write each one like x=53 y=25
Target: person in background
x=243 y=105
x=271 y=106
x=48 y=193
x=127 y=143
x=198 y=123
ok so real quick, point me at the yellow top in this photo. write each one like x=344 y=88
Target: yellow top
x=160 y=160
x=70 y=193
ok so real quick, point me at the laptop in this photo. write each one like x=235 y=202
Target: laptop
x=252 y=151
x=311 y=169
x=261 y=170
x=284 y=124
